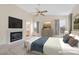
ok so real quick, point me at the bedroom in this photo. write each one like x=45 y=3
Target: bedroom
x=35 y=21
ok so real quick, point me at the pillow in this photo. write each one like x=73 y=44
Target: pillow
x=65 y=38
x=71 y=35
x=72 y=42
x=76 y=37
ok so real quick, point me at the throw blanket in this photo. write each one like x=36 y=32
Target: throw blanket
x=38 y=44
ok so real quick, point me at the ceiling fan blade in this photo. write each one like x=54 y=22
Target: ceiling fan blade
x=42 y=14
x=44 y=11
x=37 y=14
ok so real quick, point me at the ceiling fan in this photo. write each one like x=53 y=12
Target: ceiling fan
x=39 y=11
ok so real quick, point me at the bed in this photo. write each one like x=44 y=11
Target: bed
x=51 y=46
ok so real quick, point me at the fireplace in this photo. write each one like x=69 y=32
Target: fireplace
x=14 y=36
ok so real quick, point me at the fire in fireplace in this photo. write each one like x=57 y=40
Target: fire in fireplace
x=14 y=36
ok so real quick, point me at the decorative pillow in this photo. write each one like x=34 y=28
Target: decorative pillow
x=72 y=42
x=66 y=38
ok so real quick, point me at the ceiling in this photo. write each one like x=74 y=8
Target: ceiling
x=53 y=9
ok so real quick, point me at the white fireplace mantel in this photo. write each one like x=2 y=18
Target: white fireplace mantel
x=12 y=30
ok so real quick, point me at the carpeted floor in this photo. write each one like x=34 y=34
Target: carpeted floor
x=15 y=48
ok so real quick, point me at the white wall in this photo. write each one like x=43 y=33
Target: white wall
x=14 y=11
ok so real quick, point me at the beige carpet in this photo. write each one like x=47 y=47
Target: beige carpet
x=15 y=48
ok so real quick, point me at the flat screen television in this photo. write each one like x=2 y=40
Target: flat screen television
x=14 y=22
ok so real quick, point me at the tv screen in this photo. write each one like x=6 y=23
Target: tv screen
x=15 y=22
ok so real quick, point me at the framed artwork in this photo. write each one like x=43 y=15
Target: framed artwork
x=76 y=22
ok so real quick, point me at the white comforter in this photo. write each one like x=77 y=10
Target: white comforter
x=55 y=46
x=52 y=46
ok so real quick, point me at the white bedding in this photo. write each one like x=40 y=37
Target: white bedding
x=55 y=46
x=52 y=46
x=67 y=49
